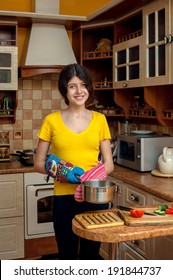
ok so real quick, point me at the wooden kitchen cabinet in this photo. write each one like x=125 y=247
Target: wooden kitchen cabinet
x=11 y=216
x=127 y=64
x=154 y=28
x=127 y=52
x=154 y=248
x=8 y=71
x=85 y=43
x=158 y=32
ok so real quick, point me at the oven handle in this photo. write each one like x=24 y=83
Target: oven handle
x=39 y=190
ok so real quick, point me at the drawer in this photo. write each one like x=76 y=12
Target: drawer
x=135 y=196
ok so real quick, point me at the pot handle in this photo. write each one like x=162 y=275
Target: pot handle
x=19 y=152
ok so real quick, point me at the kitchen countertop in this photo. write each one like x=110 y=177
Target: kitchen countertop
x=12 y=167
x=161 y=187
x=121 y=233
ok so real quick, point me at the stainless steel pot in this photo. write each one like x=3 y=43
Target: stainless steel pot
x=97 y=191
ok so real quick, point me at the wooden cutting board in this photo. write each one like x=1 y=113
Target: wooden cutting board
x=145 y=219
x=99 y=219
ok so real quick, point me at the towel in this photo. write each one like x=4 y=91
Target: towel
x=96 y=173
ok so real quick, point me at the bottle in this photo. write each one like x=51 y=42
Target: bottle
x=105 y=82
x=136 y=103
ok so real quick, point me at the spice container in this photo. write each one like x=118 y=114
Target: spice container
x=4 y=146
x=4 y=152
x=4 y=137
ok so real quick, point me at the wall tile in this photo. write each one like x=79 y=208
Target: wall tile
x=37 y=97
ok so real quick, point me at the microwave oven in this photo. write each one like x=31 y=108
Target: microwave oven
x=141 y=152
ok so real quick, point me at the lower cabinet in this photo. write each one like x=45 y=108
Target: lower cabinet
x=11 y=238
x=127 y=253
x=160 y=248
x=151 y=249
x=11 y=216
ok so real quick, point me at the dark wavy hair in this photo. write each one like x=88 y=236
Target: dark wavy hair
x=67 y=73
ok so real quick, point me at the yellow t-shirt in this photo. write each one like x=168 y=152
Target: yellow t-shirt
x=80 y=149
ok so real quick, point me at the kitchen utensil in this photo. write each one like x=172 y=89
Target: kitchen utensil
x=97 y=191
x=26 y=157
x=99 y=219
x=126 y=126
x=125 y=208
x=142 y=131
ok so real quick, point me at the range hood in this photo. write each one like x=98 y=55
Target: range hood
x=48 y=48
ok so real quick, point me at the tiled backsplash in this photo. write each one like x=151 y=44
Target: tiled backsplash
x=37 y=97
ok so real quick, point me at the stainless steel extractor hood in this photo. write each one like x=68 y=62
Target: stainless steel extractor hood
x=48 y=50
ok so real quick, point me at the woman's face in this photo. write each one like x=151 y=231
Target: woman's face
x=77 y=92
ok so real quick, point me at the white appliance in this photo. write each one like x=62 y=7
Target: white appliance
x=38 y=205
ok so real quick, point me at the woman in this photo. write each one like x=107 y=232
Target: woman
x=77 y=136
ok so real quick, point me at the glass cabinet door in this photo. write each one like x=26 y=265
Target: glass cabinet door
x=157 y=45
x=8 y=68
x=126 y=63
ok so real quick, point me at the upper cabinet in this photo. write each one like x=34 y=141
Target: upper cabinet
x=158 y=46
x=8 y=56
x=8 y=71
x=127 y=52
x=93 y=45
x=127 y=64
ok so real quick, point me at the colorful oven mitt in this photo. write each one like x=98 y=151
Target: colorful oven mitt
x=62 y=171
x=96 y=173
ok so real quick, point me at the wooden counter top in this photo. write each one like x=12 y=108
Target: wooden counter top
x=161 y=187
x=121 y=233
x=13 y=167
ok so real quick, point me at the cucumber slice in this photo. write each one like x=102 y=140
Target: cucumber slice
x=160 y=212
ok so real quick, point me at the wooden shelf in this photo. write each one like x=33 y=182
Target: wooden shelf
x=29 y=71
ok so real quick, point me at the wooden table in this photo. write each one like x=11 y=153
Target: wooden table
x=123 y=233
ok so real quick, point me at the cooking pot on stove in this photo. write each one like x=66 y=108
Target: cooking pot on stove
x=97 y=191
x=26 y=157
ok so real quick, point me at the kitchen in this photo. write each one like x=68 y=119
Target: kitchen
x=37 y=96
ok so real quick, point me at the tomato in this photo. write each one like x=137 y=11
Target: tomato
x=137 y=213
x=169 y=210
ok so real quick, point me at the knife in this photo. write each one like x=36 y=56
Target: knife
x=125 y=208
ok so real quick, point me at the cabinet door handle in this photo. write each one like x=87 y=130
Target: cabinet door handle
x=136 y=242
x=170 y=38
x=166 y=40
x=134 y=197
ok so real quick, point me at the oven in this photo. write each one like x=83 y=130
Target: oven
x=38 y=203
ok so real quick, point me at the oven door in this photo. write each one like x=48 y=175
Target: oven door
x=39 y=211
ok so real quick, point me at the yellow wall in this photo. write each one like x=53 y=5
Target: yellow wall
x=67 y=7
